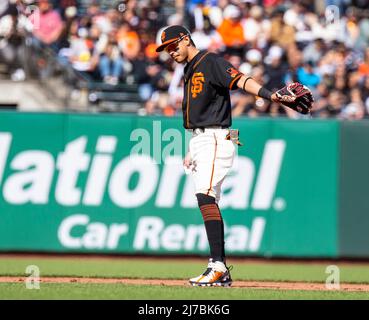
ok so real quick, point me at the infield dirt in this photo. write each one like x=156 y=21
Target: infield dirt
x=306 y=286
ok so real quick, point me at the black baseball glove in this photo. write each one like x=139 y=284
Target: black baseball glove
x=296 y=96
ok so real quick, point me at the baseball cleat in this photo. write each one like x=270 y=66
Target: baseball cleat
x=216 y=274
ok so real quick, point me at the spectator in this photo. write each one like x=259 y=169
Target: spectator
x=145 y=67
x=365 y=92
x=207 y=38
x=281 y=33
x=364 y=66
x=363 y=38
x=47 y=24
x=366 y=96
x=353 y=79
x=70 y=20
x=11 y=45
x=231 y=30
x=215 y=12
x=64 y=5
x=275 y=69
x=248 y=104
x=128 y=41
x=335 y=104
x=321 y=100
x=81 y=54
x=278 y=41
x=294 y=61
x=352 y=27
x=314 y=51
x=355 y=109
x=295 y=16
x=256 y=29
x=159 y=102
x=111 y=64
x=307 y=76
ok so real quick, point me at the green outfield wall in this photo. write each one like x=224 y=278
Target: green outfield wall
x=115 y=184
x=354 y=190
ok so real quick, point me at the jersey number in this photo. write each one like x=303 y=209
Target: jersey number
x=197 y=83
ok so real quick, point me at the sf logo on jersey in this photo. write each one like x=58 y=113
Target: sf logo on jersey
x=197 y=83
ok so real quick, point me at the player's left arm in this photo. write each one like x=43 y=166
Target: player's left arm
x=294 y=95
x=225 y=75
x=249 y=85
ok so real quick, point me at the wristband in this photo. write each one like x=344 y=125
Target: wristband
x=245 y=83
x=265 y=93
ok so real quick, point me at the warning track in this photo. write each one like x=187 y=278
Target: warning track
x=306 y=286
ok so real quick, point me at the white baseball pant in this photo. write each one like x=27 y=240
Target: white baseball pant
x=212 y=157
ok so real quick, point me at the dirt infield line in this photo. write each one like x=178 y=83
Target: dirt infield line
x=233 y=259
x=306 y=286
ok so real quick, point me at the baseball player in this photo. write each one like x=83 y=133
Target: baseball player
x=206 y=108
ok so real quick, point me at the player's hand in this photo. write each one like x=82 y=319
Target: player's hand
x=295 y=96
x=285 y=98
x=187 y=161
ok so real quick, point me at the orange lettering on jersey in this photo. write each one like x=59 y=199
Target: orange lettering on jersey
x=197 y=83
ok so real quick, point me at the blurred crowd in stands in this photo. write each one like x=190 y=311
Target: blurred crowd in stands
x=323 y=44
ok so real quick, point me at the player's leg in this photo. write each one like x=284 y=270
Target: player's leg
x=217 y=273
x=214 y=226
x=214 y=157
